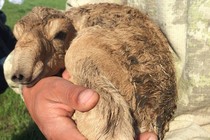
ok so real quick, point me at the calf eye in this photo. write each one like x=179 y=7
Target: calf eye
x=60 y=35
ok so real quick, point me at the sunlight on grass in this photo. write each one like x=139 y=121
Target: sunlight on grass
x=15 y=122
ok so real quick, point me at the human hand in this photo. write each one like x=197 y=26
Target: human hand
x=52 y=102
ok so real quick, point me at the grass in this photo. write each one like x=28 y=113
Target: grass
x=15 y=12
x=15 y=122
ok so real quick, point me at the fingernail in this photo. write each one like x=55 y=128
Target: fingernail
x=85 y=96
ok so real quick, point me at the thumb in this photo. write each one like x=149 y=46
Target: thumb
x=75 y=96
x=60 y=90
x=83 y=101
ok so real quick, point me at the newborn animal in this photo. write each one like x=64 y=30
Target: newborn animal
x=115 y=50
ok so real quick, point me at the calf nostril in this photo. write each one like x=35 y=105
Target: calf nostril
x=17 y=77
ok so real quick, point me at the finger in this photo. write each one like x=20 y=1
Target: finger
x=78 y=97
x=147 y=136
x=66 y=75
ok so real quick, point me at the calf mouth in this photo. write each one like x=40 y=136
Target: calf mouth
x=41 y=75
x=34 y=80
x=38 y=73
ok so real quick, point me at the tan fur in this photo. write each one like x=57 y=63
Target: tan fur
x=115 y=50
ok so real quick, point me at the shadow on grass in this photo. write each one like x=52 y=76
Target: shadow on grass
x=31 y=133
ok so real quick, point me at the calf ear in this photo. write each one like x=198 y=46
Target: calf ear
x=36 y=16
x=26 y=22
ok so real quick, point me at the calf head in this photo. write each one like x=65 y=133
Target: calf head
x=43 y=36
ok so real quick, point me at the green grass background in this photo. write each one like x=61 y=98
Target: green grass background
x=15 y=122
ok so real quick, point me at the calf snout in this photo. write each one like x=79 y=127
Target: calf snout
x=20 y=78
